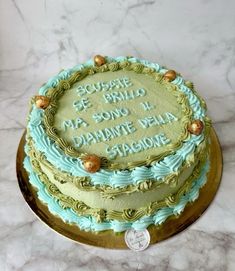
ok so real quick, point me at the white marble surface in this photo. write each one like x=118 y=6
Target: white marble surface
x=39 y=38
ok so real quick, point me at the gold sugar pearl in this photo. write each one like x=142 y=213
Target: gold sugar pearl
x=91 y=163
x=196 y=127
x=99 y=60
x=42 y=102
x=170 y=75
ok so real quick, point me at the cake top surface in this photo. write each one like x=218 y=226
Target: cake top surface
x=122 y=115
x=130 y=113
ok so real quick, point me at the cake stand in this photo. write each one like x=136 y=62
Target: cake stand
x=109 y=239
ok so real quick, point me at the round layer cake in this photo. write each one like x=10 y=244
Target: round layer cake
x=117 y=143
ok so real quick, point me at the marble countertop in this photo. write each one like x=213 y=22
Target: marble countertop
x=38 y=39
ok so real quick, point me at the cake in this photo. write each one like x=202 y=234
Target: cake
x=117 y=143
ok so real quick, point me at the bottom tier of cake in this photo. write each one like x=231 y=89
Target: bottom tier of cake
x=95 y=223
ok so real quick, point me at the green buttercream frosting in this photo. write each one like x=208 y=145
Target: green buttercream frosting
x=124 y=112
x=128 y=214
x=84 y=184
x=136 y=121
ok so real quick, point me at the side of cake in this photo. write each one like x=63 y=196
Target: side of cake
x=117 y=143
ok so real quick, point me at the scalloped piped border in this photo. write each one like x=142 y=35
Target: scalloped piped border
x=170 y=164
x=106 y=190
x=127 y=214
x=88 y=223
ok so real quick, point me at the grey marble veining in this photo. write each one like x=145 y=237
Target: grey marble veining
x=39 y=38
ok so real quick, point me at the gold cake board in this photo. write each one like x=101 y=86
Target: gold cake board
x=109 y=239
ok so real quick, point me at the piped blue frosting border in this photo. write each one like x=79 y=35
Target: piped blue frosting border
x=117 y=178
x=88 y=223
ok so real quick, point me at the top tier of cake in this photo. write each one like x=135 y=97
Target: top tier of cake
x=123 y=115
x=129 y=111
x=141 y=120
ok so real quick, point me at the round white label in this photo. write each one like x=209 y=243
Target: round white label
x=137 y=240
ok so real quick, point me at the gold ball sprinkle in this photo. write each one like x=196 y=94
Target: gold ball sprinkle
x=99 y=60
x=170 y=75
x=91 y=163
x=42 y=102
x=196 y=127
